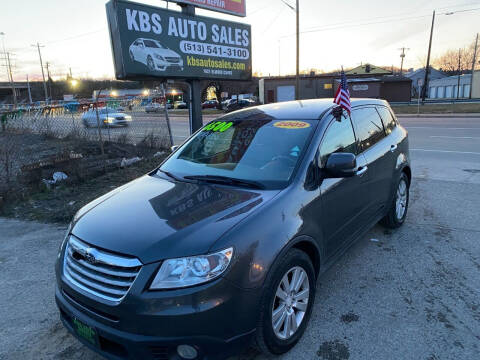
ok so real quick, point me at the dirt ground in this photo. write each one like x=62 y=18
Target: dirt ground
x=59 y=204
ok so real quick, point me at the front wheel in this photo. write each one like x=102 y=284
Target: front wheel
x=150 y=63
x=398 y=209
x=286 y=303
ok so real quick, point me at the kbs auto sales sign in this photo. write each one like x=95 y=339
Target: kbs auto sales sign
x=152 y=42
x=233 y=7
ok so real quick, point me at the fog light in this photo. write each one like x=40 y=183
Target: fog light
x=187 y=351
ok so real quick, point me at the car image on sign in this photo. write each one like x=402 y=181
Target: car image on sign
x=154 y=55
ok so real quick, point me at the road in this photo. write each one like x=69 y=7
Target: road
x=413 y=293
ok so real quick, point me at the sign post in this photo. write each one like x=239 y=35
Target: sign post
x=151 y=43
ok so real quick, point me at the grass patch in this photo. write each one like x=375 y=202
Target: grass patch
x=61 y=203
x=437 y=108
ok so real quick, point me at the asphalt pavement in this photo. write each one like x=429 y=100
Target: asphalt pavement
x=413 y=293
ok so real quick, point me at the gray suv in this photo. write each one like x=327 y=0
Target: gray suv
x=221 y=246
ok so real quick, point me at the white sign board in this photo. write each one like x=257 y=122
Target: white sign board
x=360 y=87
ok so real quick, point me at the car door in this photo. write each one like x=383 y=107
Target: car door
x=344 y=200
x=375 y=147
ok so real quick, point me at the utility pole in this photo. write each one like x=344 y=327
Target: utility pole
x=473 y=66
x=402 y=56
x=459 y=72
x=38 y=46
x=12 y=84
x=195 y=106
x=49 y=79
x=297 y=75
x=29 y=92
x=427 y=68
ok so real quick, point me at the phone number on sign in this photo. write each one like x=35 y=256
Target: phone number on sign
x=192 y=47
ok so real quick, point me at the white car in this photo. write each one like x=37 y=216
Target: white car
x=153 y=54
x=154 y=107
x=106 y=117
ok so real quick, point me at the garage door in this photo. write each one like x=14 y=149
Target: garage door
x=285 y=93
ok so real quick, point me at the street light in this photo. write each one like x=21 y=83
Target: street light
x=113 y=93
x=74 y=83
x=297 y=72
x=146 y=92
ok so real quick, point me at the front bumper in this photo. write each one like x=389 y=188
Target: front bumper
x=217 y=318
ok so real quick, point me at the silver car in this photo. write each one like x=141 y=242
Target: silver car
x=154 y=55
x=106 y=117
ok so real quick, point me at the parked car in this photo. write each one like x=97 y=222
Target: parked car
x=234 y=105
x=179 y=105
x=210 y=104
x=231 y=232
x=154 y=107
x=106 y=117
x=154 y=55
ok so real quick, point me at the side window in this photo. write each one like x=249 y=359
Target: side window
x=339 y=137
x=369 y=127
x=387 y=118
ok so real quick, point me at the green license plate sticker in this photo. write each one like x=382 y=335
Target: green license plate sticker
x=85 y=332
x=218 y=126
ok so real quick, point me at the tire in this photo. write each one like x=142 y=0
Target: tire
x=399 y=206
x=150 y=64
x=268 y=340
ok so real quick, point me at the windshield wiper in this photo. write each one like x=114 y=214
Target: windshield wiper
x=170 y=175
x=226 y=180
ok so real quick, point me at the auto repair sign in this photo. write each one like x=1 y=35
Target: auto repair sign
x=151 y=42
x=233 y=7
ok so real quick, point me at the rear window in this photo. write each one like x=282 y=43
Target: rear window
x=261 y=149
x=368 y=126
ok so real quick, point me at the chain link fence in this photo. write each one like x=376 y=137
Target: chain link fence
x=79 y=141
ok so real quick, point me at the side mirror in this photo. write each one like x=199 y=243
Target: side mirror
x=174 y=148
x=340 y=165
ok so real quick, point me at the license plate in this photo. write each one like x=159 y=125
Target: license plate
x=85 y=332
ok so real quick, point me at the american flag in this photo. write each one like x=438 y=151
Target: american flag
x=342 y=97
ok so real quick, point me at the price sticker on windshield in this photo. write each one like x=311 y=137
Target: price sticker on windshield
x=218 y=126
x=291 y=124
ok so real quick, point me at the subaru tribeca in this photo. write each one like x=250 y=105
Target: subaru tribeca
x=220 y=247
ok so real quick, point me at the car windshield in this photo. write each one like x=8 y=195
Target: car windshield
x=152 y=44
x=261 y=150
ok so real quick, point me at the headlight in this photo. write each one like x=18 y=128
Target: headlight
x=182 y=272
x=109 y=120
x=159 y=57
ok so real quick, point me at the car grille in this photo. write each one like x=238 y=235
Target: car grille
x=120 y=118
x=172 y=59
x=98 y=272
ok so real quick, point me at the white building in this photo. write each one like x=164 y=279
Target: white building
x=447 y=88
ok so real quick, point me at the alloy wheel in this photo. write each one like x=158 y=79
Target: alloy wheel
x=401 y=199
x=290 y=303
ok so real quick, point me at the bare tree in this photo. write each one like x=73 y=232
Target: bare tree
x=448 y=61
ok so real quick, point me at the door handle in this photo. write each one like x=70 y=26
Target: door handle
x=361 y=170
x=393 y=148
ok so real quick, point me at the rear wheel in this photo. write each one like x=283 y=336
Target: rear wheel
x=398 y=209
x=286 y=303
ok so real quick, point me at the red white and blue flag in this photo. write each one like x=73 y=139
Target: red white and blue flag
x=342 y=97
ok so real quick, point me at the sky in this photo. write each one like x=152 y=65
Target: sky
x=333 y=34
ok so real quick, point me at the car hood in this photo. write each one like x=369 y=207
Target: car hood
x=166 y=52
x=155 y=219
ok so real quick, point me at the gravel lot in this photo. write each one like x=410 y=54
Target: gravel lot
x=413 y=293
